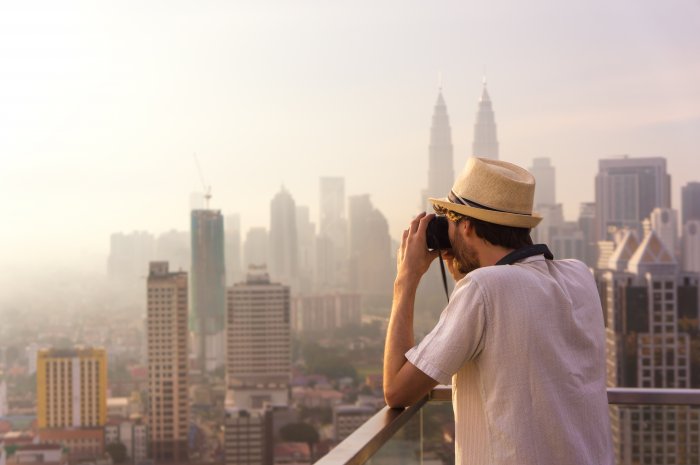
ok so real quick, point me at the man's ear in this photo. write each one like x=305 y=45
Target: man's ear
x=468 y=227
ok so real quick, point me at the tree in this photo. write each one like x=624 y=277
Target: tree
x=117 y=451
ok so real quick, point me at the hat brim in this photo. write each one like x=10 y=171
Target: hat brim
x=515 y=220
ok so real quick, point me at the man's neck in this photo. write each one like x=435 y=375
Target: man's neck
x=490 y=254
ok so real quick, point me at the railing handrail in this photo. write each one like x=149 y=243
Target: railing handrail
x=361 y=445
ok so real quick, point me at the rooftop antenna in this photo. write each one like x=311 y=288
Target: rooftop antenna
x=440 y=81
x=205 y=186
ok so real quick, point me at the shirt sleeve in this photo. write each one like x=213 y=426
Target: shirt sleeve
x=458 y=336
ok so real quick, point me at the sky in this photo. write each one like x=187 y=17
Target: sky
x=103 y=104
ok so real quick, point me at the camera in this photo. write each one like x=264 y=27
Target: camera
x=436 y=235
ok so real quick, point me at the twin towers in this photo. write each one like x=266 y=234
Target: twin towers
x=441 y=161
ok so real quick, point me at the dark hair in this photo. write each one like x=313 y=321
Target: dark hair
x=504 y=236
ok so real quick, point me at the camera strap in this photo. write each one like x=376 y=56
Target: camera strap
x=513 y=257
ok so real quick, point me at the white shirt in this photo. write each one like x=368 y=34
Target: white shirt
x=524 y=347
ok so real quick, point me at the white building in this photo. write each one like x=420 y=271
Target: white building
x=691 y=246
x=664 y=221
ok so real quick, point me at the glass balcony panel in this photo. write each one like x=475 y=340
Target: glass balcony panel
x=648 y=426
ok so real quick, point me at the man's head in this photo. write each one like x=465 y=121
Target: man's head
x=490 y=211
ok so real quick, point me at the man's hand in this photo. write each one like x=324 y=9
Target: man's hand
x=403 y=382
x=413 y=258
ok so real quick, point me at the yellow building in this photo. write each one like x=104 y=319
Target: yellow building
x=71 y=388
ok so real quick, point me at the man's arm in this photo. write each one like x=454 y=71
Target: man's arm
x=404 y=384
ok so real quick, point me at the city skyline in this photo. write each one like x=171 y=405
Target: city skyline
x=99 y=126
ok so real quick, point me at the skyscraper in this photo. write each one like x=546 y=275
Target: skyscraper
x=543 y=171
x=332 y=241
x=370 y=248
x=441 y=174
x=128 y=257
x=283 y=250
x=664 y=221
x=691 y=246
x=255 y=247
x=232 y=245
x=208 y=288
x=485 y=137
x=71 y=388
x=690 y=202
x=644 y=297
x=167 y=337
x=627 y=190
x=258 y=341
x=306 y=240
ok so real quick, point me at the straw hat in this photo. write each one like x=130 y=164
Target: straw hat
x=493 y=191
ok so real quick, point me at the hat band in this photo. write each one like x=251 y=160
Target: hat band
x=454 y=198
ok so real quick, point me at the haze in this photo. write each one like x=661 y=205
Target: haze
x=102 y=105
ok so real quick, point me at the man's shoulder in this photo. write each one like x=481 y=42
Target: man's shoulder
x=493 y=275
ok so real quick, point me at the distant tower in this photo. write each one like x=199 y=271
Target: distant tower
x=690 y=202
x=232 y=245
x=626 y=192
x=283 y=252
x=332 y=242
x=208 y=288
x=664 y=221
x=485 y=137
x=166 y=323
x=543 y=171
x=441 y=174
x=255 y=247
x=258 y=341
x=370 y=247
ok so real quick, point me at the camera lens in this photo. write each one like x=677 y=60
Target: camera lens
x=436 y=234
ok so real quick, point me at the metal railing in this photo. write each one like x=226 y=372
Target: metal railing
x=362 y=444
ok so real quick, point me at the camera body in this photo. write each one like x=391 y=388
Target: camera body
x=436 y=235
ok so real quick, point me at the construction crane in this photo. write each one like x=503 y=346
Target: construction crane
x=205 y=186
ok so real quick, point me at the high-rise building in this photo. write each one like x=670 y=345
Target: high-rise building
x=232 y=246
x=690 y=202
x=167 y=337
x=691 y=246
x=544 y=173
x=645 y=296
x=370 y=248
x=208 y=288
x=247 y=437
x=627 y=190
x=258 y=341
x=255 y=247
x=441 y=174
x=485 y=143
x=332 y=241
x=129 y=255
x=664 y=221
x=552 y=218
x=587 y=226
x=306 y=240
x=174 y=247
x=283 y=250
x=71 y=388
x=325 y=312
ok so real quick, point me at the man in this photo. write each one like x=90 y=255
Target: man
x=521 y=339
